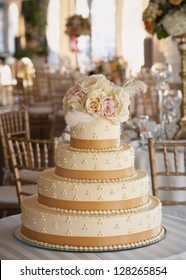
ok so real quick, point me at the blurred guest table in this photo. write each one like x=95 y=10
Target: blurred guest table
x=173 y=246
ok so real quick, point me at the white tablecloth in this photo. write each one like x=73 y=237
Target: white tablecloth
x=173 y=246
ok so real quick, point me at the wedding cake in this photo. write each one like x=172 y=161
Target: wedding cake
x=93 y=199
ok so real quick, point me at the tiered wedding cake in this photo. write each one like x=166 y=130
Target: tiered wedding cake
x=94 y=198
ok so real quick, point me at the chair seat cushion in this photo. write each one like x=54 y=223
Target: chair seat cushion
x=28 y=175
x=40 y=110
x=8 y=194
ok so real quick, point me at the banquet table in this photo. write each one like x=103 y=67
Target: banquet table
x=172 y=246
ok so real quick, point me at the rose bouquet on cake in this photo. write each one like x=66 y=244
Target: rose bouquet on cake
x=165 y=18
x=77 y=25
x=97 y=97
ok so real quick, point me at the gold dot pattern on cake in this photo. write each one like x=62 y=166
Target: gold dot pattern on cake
x=100 y=198
x=112 y=192
x=46 y=188
x=95 y=136
x=73 y=133
x=75 y=198
x=124 y=187
x=53 y=186
x=68 y=221
x=96 y=167
x=84 y=227
x=99 y=222
x=119 y=165
x=64 y=160
x=83 y=128
x=95 y=157
x=68 y=232
x=43 y=218
x=124 y=196
x=54 y=195
x=107 y=128
x=128 y=218
x=130 y=230
x=118 y=156
x=74 y=188
x=74 y=166
x=149 y=225
x=88 y=193
x=34 y=221
x=116 y=226
x=73 y=156
x=55 y=225
x=99 y=188
x=100 y=233
x=133 y=189
x=64 y=192
x=140 y=223
x=84 y=161
x=43 y=230
x=108 y=162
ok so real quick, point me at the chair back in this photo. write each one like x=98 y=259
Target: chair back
x=28 y=158
x=168 y=170
x=15 y=123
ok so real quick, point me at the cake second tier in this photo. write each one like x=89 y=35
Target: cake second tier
x=94 y=164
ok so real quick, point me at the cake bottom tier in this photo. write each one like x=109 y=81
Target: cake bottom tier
x=54 y=229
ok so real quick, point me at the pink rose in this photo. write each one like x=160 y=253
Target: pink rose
x=75 y=91
x=109 y=107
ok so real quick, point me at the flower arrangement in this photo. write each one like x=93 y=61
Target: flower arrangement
x=113 y=69
x=77 y=25
x=165 y=18
x=97 y=97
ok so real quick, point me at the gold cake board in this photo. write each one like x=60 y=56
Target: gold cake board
x=24 y=240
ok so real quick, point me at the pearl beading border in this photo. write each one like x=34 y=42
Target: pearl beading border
x=89 y=249
x=96 y=212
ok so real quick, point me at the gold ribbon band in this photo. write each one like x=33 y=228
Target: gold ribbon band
x=94 y=174
x=91 y=241
x=92 y=205
x=94 y=144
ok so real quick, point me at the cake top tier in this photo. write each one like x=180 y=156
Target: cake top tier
x=96 y=97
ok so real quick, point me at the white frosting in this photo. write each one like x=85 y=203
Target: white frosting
x=108 y=159
x=101 y=129
x=107 y=225
x=53 y=186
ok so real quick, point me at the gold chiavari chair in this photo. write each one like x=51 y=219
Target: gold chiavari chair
x=168 y=171
x=30 y=157
x=15 y=123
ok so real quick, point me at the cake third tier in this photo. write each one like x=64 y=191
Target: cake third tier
x=94 y=164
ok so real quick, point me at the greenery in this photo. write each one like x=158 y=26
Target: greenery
x=34 y=12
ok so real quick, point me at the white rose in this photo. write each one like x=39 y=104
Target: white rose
x=73 y=103
x=95 y=82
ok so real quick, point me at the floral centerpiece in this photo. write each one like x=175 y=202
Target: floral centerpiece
x=113 y=69
x=97 y=97
x=165 y=18
x=77 y=25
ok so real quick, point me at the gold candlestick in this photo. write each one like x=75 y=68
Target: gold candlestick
x=181 y=134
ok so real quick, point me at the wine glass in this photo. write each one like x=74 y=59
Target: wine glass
x=172 y=100
x=160 y=72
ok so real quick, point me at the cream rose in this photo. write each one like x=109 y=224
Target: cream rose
x=95 y=82
x=73 y=103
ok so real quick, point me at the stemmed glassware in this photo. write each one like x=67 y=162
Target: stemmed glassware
x=172 y=100
x=161 y=72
